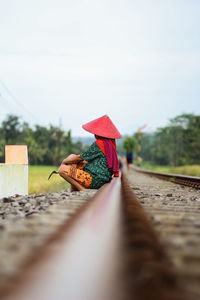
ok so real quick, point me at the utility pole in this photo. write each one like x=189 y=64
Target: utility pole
x=139 y=147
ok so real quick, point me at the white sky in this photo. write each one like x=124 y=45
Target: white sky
x=69 y=62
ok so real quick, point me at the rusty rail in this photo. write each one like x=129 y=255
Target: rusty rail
x=148 y=272
x=192 y=181
x=80 y=262
x=109 y=251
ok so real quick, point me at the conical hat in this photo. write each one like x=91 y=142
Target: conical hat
x=104 y=127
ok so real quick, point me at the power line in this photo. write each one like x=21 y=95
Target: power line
x=17 y=102
x=6 y=105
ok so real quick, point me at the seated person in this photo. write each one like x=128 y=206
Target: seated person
x=97 y=165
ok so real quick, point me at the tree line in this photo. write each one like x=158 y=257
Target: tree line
x=46 y=146
x=176 y=144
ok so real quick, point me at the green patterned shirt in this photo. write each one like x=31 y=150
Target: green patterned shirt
x=97 y=166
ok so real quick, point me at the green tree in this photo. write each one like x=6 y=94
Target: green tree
x=11 y=129
x=78 y=146
x=146 y=146
x=2 y=147
x=35 y=151
x=192 y=141
x=69 y=143
x=175 y=144
x=129 y=144
x=56 y=142
x=45 y=145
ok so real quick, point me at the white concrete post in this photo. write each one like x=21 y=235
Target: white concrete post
x=14 y=173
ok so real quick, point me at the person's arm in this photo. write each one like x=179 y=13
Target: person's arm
x=72 y=158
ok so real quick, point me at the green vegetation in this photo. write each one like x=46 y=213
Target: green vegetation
x=193 y=170
x=177 y=144
x=129 y=144
x=46 y=146
x=39 y=183
x=174 y=148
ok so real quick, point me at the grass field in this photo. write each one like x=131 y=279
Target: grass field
x=193 y=170
x=39 y=183
x=38 y=176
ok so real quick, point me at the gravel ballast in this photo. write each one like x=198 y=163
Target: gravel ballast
x=175 y=213
x=26 y=222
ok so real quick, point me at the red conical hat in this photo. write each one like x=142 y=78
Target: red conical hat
x=104 y=127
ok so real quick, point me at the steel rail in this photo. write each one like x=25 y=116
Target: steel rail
x=147 y=271
x=192 y=181
x=81 y=264
x=109 y=251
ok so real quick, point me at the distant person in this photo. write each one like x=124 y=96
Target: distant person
x=129 y=144
x=120 y=164
x=97 y=165
x=129 y=160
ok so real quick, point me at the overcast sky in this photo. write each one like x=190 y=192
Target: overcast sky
x=68 y=62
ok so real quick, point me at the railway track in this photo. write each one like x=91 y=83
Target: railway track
x=192 y=181
x=108 y=250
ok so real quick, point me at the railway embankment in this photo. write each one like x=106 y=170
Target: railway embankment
x=175 y=213
x=26 y=222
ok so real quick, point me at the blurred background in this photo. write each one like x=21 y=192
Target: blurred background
x=64 y=63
